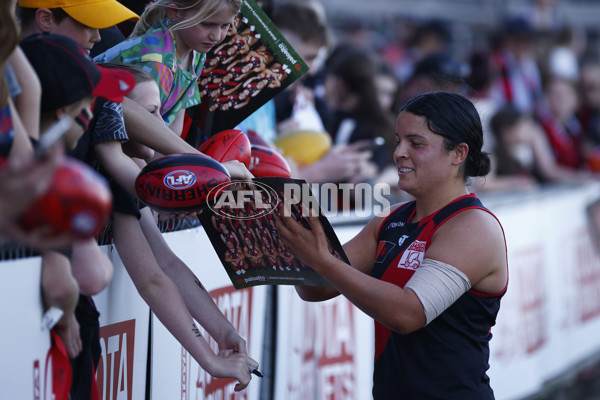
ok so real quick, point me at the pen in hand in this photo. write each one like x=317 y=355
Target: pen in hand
x=254 y=371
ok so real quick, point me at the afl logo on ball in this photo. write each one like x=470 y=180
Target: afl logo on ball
x=179 y=180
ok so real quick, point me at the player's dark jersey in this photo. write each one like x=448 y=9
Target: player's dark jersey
x=448 y=358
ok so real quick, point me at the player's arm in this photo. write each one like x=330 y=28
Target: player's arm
x=396 y=308
x=472 y=242
x=360 y=251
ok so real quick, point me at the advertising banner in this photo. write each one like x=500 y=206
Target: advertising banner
x=124 y=323
x=25 y=365
x=174 y=373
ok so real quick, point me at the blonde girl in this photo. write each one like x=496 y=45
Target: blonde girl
x=170 y=41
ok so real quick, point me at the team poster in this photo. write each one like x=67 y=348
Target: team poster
x=248 y=68
x=240 y=223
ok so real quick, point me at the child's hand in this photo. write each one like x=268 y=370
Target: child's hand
x=237 y=170
x=229 y=364
x=232 y=341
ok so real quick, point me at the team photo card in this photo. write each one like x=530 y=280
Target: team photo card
x=240 y=222
x=248 y=68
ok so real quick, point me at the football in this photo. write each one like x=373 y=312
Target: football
x=267 y=162
x=228 y=145
x=78 y=202
x=304 y=146
x=179 y=183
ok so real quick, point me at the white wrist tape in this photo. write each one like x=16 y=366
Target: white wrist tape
x=437 y=285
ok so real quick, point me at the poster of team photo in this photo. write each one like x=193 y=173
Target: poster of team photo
x=248 y=68
x=241 y=225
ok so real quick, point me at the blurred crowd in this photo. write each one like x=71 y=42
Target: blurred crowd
x=533 y=76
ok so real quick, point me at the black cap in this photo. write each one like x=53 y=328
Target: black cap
x=68 y=74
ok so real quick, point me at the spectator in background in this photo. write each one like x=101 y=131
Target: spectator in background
x=543 y=15
x=566 y=48
x=519 y=79
x=482 y=74
x=428 y=37
x=559 y=121
x=436 y=72
x=388 y=86
x=302 y=104
x=354 y=110
x=305 y=28
x=589 y=111
x=522 y=157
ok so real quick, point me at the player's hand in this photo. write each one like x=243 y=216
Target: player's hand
x=309 y=245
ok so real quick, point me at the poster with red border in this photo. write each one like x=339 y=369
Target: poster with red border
x=248 y=68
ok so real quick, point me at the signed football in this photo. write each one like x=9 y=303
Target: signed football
x=77 y=202
x=228 y=145
x=268 y=162
x=179 y=183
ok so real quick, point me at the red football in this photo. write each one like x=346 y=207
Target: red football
x=228 y=145
x=268 y=162
x=179 y=182
x=78 y=202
